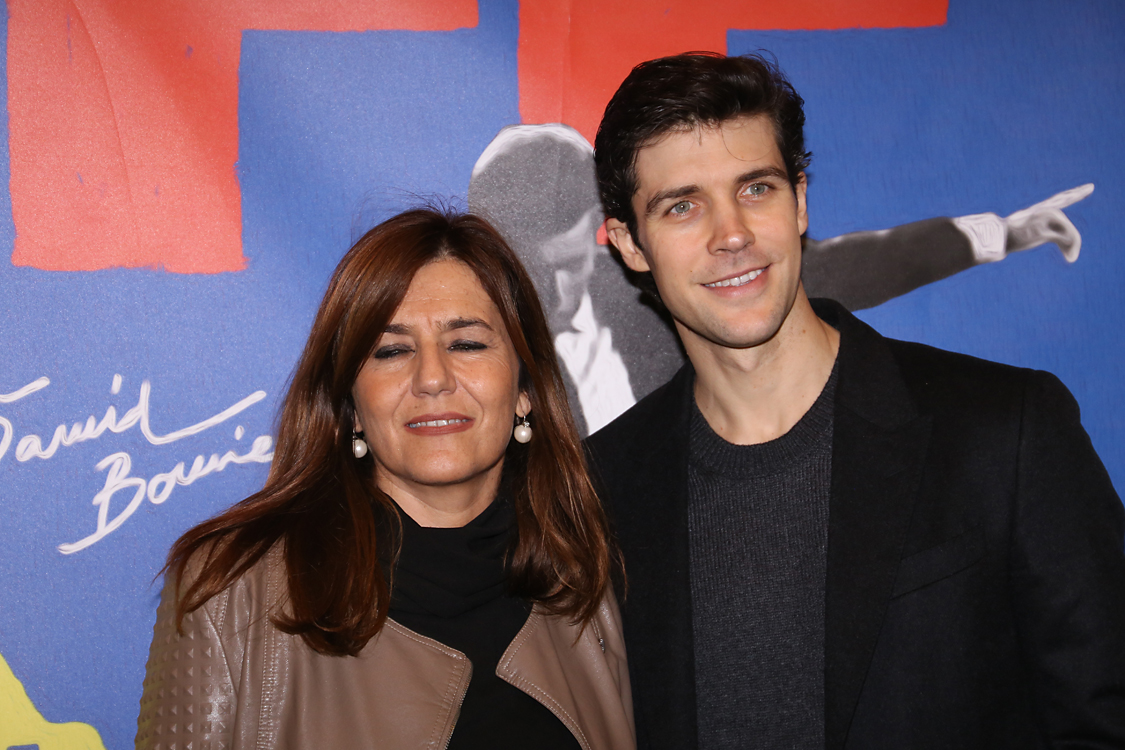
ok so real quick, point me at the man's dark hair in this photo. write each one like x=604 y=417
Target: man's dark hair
x=684 y=92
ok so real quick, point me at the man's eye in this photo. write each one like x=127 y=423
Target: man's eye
x=758 y=188
x=680 y=208
x=390 y=352
x=467 y=346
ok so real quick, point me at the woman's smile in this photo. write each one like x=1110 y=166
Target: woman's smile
x=439 y=424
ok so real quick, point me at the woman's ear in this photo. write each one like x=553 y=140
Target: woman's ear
x=523 y=405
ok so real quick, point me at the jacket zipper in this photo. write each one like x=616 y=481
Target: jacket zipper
x=460 y=701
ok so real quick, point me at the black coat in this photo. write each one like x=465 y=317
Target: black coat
x=976 y=574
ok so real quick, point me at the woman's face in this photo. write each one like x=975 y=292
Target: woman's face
x=437 y=399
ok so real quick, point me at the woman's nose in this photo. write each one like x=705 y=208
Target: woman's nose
x=433 y=373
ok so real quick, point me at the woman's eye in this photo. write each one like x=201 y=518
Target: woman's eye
x=390 y=352
x=467 y=346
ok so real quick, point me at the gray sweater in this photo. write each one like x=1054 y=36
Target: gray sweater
x=758 y=530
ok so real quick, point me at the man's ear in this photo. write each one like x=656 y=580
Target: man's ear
x=622 y=239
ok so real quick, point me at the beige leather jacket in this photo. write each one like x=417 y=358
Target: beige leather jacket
x=232 y=680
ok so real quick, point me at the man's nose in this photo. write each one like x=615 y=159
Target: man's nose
x=730 y=230
x=433 y=373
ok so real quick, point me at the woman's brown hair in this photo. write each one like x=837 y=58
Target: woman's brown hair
x=320 y=503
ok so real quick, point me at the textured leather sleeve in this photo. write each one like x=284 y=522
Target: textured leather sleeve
x=188 y=698
x=612 y=641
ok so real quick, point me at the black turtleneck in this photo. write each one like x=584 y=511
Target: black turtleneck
x=449 y=585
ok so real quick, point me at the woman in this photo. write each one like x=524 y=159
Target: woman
x=411 y=575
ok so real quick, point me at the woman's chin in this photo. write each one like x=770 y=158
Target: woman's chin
x=442 y=478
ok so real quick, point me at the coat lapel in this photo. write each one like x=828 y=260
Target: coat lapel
x=652 y=527
x=879 y=449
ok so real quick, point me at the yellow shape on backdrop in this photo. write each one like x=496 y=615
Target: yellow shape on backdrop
x=22 y=724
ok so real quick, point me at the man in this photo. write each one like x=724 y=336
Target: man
x=536 y=184
x=833 y=539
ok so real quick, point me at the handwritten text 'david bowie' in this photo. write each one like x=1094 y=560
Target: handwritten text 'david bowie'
x=118 y=465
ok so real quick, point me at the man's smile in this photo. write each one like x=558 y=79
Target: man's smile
x=745 y=278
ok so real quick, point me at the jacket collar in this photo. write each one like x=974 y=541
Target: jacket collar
x=578 y=672
x=871 y=384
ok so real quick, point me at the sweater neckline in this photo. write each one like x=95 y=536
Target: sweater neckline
x=709 y=452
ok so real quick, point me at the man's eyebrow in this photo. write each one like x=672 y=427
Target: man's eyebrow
x=758 y=174
x=667 y=195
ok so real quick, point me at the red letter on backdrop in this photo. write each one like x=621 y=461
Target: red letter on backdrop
x=124 y=122
x=573 y=54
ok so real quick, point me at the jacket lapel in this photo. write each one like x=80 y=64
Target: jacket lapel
x=879 y=449
x=652 y=528
x=578 y=673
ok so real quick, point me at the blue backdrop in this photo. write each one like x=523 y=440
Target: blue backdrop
x=1009 y=102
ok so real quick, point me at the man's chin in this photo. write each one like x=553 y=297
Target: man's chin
x=732 y=335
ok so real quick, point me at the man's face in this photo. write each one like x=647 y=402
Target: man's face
x=720 y=228
x=570 y=255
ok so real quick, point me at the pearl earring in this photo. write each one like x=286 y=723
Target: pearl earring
x=359 y=445
x=522 y=433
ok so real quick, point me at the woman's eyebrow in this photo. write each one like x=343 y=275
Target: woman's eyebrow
x=453 y=324
x=458 y=323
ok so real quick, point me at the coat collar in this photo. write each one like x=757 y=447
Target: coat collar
x=578 y=672
x=871 y=384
